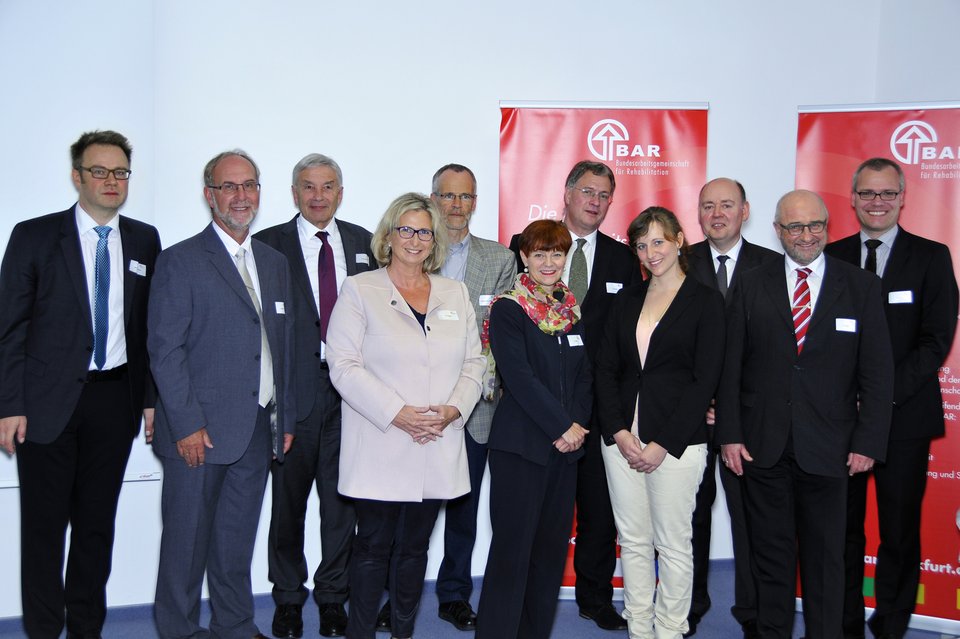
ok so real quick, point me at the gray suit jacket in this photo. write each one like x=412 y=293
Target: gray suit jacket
x=310 y=379
x=491 y=269
x=204 y=345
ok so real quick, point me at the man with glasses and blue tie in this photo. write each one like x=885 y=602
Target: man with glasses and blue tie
x=220 y=343
x=74 y=382
x=920 y=300
x=804 y=404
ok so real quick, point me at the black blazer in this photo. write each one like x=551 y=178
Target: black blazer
x=921 y=331
x=46 y=329
x=768 y=392
x=614 y=267
x=751 y=256
x=683 y=365
x=547 y=384
x=307 y=364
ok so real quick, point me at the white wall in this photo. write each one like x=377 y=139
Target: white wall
x=394 y=90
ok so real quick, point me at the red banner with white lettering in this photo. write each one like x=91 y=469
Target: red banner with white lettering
x=925 y=141
x=658 y=156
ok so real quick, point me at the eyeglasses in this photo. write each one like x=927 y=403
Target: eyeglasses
x=796 y=228
x=465 y=198
x=870 y=196
x=230 y=187
x=406 y=232
x=101 y=173
x=592 y=193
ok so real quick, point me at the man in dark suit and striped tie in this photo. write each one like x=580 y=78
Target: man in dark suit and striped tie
x=804 y=404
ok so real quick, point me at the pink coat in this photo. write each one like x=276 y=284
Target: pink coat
x=381 y=359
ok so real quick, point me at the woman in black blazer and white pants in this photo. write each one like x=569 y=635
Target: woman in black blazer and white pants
x=657 y=369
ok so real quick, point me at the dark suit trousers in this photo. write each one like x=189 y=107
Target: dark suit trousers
x=313 y=459
x=392 y=540
x=75 y=479
x=595 y=555
x=900 y=483
x=531 y=510
x=745 y=588
x=210 y=518
x=454 y=580
x=791 y=511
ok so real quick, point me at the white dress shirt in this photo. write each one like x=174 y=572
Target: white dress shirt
x=733 y=254
x=116 y=337
x=883 y=251
x=589 y=250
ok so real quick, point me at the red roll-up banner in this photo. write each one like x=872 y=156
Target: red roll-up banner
x=925 y=141
x=658 y=154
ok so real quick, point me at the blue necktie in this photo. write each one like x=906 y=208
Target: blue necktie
x=101 y=295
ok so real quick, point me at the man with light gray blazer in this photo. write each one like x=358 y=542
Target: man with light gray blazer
x=487 y=268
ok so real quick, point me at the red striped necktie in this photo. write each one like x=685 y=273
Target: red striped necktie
x=801 y=307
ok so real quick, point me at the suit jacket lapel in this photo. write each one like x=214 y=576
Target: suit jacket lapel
x=704 y=265
x=290 y=246
x=130 y=251
x=775 y=287
x=350 y=247
x=674 y=311
x=830 y=290
x=473 y=274
x=224 y=263
x=70 y=245
x=898 y=259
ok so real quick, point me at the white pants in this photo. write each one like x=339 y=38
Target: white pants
x=653 y=512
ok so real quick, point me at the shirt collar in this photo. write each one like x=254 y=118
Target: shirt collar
x=817 y=266
x=86 y=223
x=231 y=244
x=733 y=253
x=591 y=238
x=887 y=238
x=308 y=230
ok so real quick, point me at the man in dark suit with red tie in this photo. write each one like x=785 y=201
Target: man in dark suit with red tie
x=322 y=252
x=720 y=261
x=74 y=382
x=920 y=299
x=597 y=268
x=804 y=403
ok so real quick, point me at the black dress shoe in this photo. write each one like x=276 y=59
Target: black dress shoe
x=383 y=618
x=750 y=630
x=288 y=621
x=692 y=622
x=606 y=617
x=333 y=620
x=460 y=614
x=85 y=635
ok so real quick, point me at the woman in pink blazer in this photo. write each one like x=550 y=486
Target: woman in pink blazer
x=404 y=355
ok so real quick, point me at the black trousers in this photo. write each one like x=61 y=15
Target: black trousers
x=745 y=588
x=531 y=509
x=595 y=554
x=313 y=460
x=392 y=540
x=900 y=483
x=789 y=513
x=75 y=480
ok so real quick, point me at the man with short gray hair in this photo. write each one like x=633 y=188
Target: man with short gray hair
x=322 y=251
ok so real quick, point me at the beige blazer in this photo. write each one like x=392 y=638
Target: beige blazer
x=381 y=359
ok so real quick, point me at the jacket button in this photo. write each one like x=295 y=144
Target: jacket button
x=257 y=357
x=317 y=354
x=255 y=393
x=317 y=323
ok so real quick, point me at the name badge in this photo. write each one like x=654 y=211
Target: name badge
x=448 y=315
x=846 y=325
x=485 y=300
x=138 y=269
x=363 y=258
x=900 y=297
x=280 y=309
x=614 y=287
x=574 y=340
